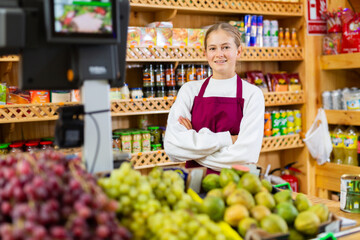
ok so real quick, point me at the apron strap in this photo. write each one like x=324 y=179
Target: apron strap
x=203 y=87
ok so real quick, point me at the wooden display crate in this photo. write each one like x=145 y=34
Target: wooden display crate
x=284 y=98
x=149 y=158
x=281 y=143
x=223 y=7
x=188 y=54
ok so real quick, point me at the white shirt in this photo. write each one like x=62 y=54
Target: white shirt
x=215 y=150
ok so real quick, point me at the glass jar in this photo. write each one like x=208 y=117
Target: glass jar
x=171 y=92
x=180 y=75
x=155 y=135
x=145 y=141
x=156 y=147
x=209 y=71
x=126 y=142
x=170 y=75
x=115 y=94
x=116 y=143
x=160 y=76
x=149 y=92
x=136 y=93
x=160 y=92
x=191 y=73
x=46 y=145
x=4 y=149
x=16 y=148
x=136 y=142
x=148 y=76
x=31 y=146
x=200 y=72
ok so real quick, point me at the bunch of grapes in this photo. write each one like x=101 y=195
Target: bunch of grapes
x=183 y=225
x=147 y=210
x=47 y=196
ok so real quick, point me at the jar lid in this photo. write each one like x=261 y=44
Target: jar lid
x=3 y=145
x=16 y=145
x=156 y=145
x=145 y=131
x=48 y=139
x=46 y=142
x=153 y=128
x=117 y=133
x=163 y=128
x=31 y=144
x=125 y=133
x=135 y=132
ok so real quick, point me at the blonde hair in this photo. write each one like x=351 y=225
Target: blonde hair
x=227 y=28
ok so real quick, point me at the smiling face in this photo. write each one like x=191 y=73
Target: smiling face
x=221 y=53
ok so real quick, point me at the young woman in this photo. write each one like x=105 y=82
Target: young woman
x=217 y=122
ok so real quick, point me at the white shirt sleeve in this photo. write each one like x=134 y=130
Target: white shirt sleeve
x=247 y=147
x=181 y=144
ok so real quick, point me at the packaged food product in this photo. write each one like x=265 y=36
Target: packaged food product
x=351 y=33
x=155 y=135
x=160 y=75
x=136 y=93
x=17 y=96
x=149 y=92
x=160 y=25
x=294 y=82
x=126 y=142
x=279 y=82
x=180 y=75
x=148 y=76
x=180 y=37
x=75 y=95
x=2 y=93
x=257 y=78
x=148 y=37
x=332 y=43
x=191 y=73
x=171 y=91
x=352 y=100
x=136 y=142
x=196 y=37
x=125 y=92
x=163 y=37
x=134 y=34
x=16 y=148
x=46 y=145
x=4 y=148
x=115 y=94
x=39 y=96
x=170 y=75
x=116 y=143
x=60 y=96
x=31 y=146
x=145 y=141
x=160 y=91
x=200 y=72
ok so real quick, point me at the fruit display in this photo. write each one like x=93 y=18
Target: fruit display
x=156 y=206
x=49 y=196
x=246 y=202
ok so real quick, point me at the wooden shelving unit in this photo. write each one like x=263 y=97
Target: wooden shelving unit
x=11 y=58
x=340 y=61
x=284 y=98
x=343 y=117
x=222 y=7
x=188 y=54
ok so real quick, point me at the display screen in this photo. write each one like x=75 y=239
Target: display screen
x=83 y=17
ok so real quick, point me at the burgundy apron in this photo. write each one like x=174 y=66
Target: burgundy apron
x=219 y=114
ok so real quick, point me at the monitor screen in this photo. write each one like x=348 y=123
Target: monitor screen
x=83 y=19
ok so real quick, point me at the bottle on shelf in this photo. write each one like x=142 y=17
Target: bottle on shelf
x=287 y=38
x=350 y=146
x=281 y=37
x=294 y=41
x=125 y=92
x=160 y=75
x=337 y=139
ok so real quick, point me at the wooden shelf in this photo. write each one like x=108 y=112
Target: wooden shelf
x=46 y=112
x=281 y=143
x=11 y=58
x=343 y=117
x=149 y=158
x=340 y=61
x=229 y=7
x=187 y=54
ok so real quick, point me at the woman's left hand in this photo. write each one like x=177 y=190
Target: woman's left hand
x=185 y=122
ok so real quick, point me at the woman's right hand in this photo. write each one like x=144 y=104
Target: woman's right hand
x=234 y=138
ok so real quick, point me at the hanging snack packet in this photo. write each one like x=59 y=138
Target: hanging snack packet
x=257 y=78
x=294 y=82
x=279 y=82
x=17 y=96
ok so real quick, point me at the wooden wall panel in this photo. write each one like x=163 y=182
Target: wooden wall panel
x=9 y=73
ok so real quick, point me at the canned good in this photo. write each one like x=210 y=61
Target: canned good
x=297 y=129
x=253 y=32
x=267 y=132
x=350 y=193
x=290 y=118
x=336 y=97
x=267 y=120
x=275 y=119
x=274 y=33
x=283 y=119
x=326 y=100
x=247 y=23
x=297 y=118
x=260 y=32
x=267 y=33
x=290 y=131
x=275 y=132
x=283 y=131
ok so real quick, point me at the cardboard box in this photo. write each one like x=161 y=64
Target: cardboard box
x=134 y=34
x=196 y=37
x=148 y=37
x=180 y=37
x=163 y=37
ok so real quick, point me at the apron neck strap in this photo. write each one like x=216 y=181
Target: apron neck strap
x=238 y=87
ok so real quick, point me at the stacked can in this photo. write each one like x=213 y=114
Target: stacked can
x=267 y=124
x=274 y=33
x=247 y=21
x=283 y=123
x=297 y=121
x=253 y=31
x=267 y=34
x=290 y=122
x=275 y=123
x=260 y=32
